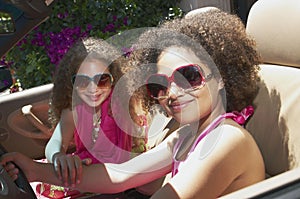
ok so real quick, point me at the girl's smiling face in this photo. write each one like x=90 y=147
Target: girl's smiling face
x=92 y=95
x=187 y=107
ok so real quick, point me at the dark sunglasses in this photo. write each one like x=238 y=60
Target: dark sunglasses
x=103 y=80
x=189 y=78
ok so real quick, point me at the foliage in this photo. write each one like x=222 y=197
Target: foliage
x=35 y=58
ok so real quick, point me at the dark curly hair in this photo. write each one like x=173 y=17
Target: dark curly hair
x=88 y=48
x=222 y=36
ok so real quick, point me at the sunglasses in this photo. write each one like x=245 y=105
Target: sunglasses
x=189 y=78
x=103 y=80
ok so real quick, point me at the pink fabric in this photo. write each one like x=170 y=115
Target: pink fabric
x=239 y=117
x=112 y=146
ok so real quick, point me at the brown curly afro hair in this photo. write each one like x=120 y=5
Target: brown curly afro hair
x=88 y=48
x=225 y=41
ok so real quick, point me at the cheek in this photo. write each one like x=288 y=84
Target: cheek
x=200 y=107
x=205 y=104
x=79 y=94
x=106 y=92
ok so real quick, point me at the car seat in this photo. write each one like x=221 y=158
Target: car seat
x=274 y=25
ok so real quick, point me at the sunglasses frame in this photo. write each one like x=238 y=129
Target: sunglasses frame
x=92 y=79
x=171 y=79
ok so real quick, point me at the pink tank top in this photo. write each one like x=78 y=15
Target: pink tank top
x=112 y=145
x=239 y=117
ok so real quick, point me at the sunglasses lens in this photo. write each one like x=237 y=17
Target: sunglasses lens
x=185 y=77
x=103 y=80
x=80 y=81
x=188 y=76
x=157 y=85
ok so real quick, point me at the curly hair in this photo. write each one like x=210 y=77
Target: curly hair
x=223 y=37
x=88 y=48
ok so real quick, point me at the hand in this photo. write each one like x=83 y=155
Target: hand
x=12 y=170
x=27 y=165
x=69 y=168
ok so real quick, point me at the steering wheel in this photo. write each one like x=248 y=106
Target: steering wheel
x=10 y=189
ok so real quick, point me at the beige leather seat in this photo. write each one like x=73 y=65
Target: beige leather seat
x=275 y=25
x=275 y=125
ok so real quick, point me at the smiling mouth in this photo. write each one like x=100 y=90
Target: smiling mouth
x=178 y=106
x=94 y=97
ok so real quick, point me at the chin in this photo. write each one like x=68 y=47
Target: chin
x=93 y=104
x=185 y=119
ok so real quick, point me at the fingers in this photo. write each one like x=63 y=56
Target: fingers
x=6 y=162
x=12 y=170
x=26 y=164
x=68 y=169
x=75 y=169
x=57 y=168
x=87 y=161
x=78 y=165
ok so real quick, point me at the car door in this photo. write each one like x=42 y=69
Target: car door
x=24 y=125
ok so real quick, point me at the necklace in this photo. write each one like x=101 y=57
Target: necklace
x=96 y=126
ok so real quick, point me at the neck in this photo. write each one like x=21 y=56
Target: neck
x=200 y=125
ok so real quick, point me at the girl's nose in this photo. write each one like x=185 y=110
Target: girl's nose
x=92 y=87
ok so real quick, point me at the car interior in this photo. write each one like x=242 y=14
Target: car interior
x=24 y=115
x=275 y=27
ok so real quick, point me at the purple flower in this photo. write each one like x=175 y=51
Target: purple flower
x=62 y=15
x=125 y=21
x=89 y=27
x=38 y=39
x=109 y=28
x=60 y=42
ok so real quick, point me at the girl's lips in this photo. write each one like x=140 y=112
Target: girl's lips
x=177 y=106
x=94 y=97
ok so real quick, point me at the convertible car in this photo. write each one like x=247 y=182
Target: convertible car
x=273 y=24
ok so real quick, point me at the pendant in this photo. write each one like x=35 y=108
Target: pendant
x=96 y=127
x=95 y=134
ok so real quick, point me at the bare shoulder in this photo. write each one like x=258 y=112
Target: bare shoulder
x=237 y=133
x=234 y=137
x=226 y=160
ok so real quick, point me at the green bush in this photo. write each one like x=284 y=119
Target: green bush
x=35 y=58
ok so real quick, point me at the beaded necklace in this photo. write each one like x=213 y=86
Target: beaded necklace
x=96 y=126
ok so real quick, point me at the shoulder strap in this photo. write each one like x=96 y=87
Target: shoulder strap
x=239 y=117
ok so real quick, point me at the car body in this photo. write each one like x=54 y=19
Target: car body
x=24 y=123
x=16 y=133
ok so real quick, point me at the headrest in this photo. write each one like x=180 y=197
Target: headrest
x=200 y=10
x=275 y=25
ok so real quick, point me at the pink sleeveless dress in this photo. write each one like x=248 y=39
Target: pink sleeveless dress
x=239 y=117
x=112 y=145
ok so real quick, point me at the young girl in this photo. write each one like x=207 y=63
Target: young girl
x=202 y=88
x=80 y=103
x=85 y=77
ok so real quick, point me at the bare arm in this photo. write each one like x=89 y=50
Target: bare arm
x=61 y=136
x=100 y=178
x=66 y=166
x=140 y=170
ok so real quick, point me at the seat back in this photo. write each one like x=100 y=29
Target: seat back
x=275 y=25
